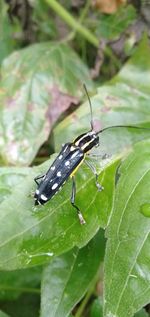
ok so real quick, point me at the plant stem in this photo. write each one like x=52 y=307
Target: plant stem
x=75 y=25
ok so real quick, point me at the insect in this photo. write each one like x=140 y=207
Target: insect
x=67 y=163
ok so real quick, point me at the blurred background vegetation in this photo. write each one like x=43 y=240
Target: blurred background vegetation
x=98 y=31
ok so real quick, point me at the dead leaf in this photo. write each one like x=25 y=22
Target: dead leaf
x=108 y=6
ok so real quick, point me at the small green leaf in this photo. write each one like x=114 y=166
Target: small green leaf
x=127 y=261
x=67 y=278
x=37 y=84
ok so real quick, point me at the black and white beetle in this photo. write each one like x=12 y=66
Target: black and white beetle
x=67 y=163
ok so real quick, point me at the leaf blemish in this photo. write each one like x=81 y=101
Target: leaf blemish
x=60 y=102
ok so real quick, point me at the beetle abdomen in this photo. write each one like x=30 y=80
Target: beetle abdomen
x=65 y=163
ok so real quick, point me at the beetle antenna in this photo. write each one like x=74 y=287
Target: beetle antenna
x=122 y=126
x=91 y=111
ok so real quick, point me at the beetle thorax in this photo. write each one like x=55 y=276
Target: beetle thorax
x=87 y=141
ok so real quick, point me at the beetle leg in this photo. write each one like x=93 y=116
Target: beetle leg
x=37 y=178
x=93 y=169
x=73 y=195
x=96 y=155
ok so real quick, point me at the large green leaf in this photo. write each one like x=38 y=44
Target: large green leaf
x=67 y=277
x=37 y=84
x=123 y=101
x=30 y=236
x=127 y=262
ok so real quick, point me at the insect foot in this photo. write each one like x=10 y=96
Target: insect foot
x=99 y=187
x=81 y=219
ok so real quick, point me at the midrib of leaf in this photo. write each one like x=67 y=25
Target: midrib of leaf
x=28 y=97
x=113 y=198
x=143 y=241
x=20 y=289
x=111 y=211
x=142 y=293
x=62 y=59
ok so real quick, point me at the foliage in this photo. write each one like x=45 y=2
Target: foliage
x=46 y=256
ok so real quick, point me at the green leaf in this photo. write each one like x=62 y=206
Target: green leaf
x=27 y=305
x=9 y=178
x=2 y=314
x=6 y=38
x=46 y=27
x=109 y=26
x=37 y=84
x=136 y=76
x=67 y=278
x=33 y=235
x=127 y=261
x=97 y=308
x=141 y=313
x=14 y=283
x=123 y=101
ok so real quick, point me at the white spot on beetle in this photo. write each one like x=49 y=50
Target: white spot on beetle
x=43 y=197
x=65 y=148
x=59 y=174
x=60 y=157
x=37 y=191
x=75 y=154
x=67 y=163
x=52 y=168
x=54 y=186
x=72 y=148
